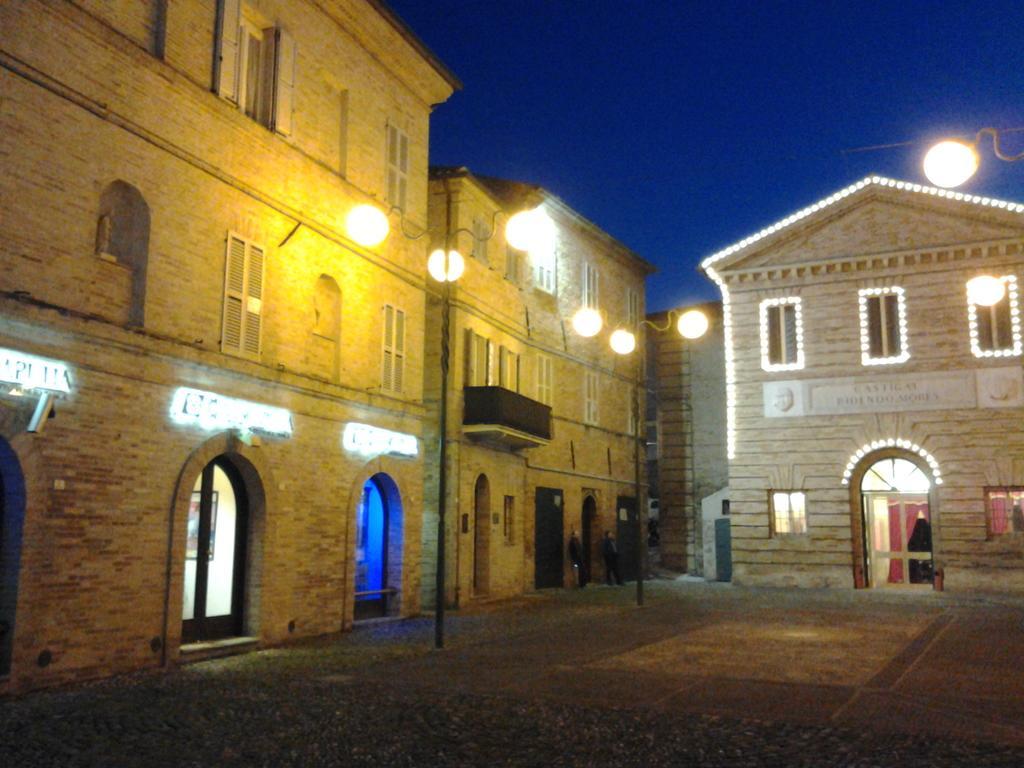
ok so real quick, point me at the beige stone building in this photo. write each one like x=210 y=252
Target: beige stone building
x=540 y=434
x=874 y=401
x=212 y=408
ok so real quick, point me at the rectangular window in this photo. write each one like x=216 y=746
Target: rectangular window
x=1004 y=509
x=995 y=330
x=544 y=263
x=512 y=261
x=393 y=367
x=509 y=514
x=508 y=369
x=481 y=234
x=589 y=286
x=545 y=379
x=398 y=166
x=243 y=297
x=478 y=360
x=883 y=326
x=788 y=513
x=782 y=335
x=632 y=308
x=590 y=397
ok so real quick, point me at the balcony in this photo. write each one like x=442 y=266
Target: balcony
x=505 y=419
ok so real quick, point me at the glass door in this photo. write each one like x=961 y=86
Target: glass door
x=899 y=539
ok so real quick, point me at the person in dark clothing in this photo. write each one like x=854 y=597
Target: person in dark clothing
x=611 y=559
x=576 y=558
x=920 y=541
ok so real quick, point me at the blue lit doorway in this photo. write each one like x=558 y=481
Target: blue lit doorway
x=378 y=549
x=12 y=516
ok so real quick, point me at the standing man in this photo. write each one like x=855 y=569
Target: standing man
x=576 y=558
x=611 y=559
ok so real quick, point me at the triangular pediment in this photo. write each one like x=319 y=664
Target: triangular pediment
x=876 y=217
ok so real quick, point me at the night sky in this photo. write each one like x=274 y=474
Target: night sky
x=681 y=127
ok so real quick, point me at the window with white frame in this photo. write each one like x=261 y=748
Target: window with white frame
x=393 y=365
x=481 y=233
x=589 y=286
x=883 y=326
x=632 y=309
x=544 y=266
x=397 y=165
x=255 y=66
x=590 y=389
x=478 y=360
x=508 y=369
x=243 y=297
x=782 y=334
x=995 y=330
x=788 y=514
x=545 y=379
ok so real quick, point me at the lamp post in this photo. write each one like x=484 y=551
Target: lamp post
x=951 y=162
x=690 y=325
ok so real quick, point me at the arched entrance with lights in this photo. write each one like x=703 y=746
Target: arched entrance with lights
x=892 y=505
x=378 y=549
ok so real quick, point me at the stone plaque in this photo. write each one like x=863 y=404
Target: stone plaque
x=921 y=391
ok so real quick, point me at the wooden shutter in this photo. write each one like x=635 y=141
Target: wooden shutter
x=284 y=82
x=254 y=301
x=234 y=295
x=399 y=350
x=388 y=365
x=229 y=15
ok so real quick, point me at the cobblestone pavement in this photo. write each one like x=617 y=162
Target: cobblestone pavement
x=704 y=675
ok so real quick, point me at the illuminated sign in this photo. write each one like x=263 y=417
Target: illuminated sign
x=369 y=441
x=30 y=372
x=212 y=411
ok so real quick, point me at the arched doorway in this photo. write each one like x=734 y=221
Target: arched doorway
x=378 y=549
x=481 y=536
x=896 y=520
x=215 y=555
x=12 y=516
x=588 y=518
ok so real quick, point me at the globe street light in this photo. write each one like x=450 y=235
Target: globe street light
x=951 y=162
x=985 y=290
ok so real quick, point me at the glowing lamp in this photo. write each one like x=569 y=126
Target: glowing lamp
x=455 y=266
x=367 y=225
x=530 y=230
x=587 y=322
x=950 y=163
x=623 y=342
x=692 y=324
x=985 y=291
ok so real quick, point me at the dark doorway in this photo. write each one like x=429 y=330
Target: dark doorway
x=481 y=536
x=548 y=535
x=215 y=555
x=723 y=549
x=587 y=522
x=626 y=534
x=12 y=515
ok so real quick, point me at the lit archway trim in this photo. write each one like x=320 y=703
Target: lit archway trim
x=892 y=442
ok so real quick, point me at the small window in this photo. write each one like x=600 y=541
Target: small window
x=393 y=365
x=883 y=326
x=632 y=308
x=481 y=234
x=589 y=286
x=478 y=360
x=513 y=259
x=544 y=262
x=243 y=297
x=1004 y=508
x=590 y=397
x=508 y=516
x=788 y=513
x=398 y=166
x=995 y=330
x=545 y=379
x=782 y=342
x=508 y=369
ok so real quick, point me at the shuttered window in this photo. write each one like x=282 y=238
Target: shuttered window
x=393 y=363
x=508 y=369
x=545 y=379
x=544 y=265
x=480 y=237
x=255 y=66
x=883 y=326
x=478 y=360
x=398 y=166
x=632 y=309
x=589 y=286
x=243 y=297
x=590 y=398
x=995 y=330
x=782 y=334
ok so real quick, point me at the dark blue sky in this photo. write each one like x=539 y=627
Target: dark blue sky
x=680 y=127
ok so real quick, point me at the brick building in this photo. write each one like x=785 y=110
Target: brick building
x=873 y=399
x=540 y=433
x=212 y=396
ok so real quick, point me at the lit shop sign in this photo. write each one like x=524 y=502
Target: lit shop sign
x=212 y=411
x=29 y=372
x=362 y=438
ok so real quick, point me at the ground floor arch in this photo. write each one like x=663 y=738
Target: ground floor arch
x=378 y=548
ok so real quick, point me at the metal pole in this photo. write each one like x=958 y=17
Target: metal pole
x=641 y=548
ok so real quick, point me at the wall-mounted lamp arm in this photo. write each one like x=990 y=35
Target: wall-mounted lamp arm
x=994 y=133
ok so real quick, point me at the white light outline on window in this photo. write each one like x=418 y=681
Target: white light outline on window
x=1010 y=281
x=766 y=364
x=865 y=337
x=892 y=442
